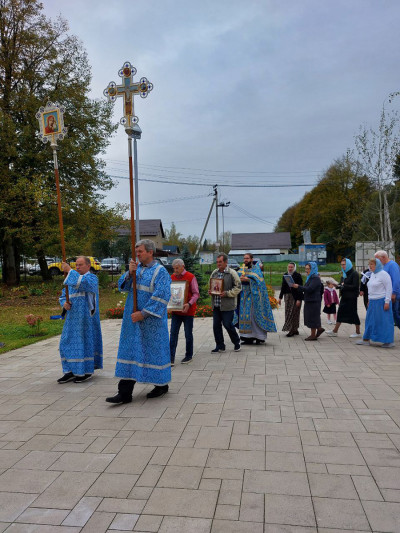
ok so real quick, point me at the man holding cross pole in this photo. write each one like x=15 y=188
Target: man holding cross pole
x=143 y=353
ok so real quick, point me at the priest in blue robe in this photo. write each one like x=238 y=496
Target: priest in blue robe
x=81 y=346
x=143 y=353
x=255 y=314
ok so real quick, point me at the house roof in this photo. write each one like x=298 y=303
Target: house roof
x=261 y=241
x=148 y=228
x=172 y=248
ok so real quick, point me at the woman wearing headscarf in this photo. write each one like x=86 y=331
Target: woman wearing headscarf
x=379 y=325
x=312 y=301
x=293 y=298
x=349 y=291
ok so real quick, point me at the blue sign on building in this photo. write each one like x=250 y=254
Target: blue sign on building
x=312 y=252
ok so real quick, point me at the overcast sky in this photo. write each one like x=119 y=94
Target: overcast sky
x=245 y=92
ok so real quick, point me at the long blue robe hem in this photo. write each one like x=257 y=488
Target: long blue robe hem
x=81 y=346
x=254 y=304
x=143 y=352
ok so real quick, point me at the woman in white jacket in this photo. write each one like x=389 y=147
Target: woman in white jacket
x=379 y=325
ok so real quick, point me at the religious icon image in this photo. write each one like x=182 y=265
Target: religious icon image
x=51 y=123
x=216 y=286
x=179 y=295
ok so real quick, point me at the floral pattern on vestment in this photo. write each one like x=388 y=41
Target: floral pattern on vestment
x=143 y=352
x=81 y=346
x=254 y=301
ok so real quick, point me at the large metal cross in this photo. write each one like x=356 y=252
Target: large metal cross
x=127 y=90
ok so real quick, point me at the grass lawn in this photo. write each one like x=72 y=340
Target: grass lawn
x=40 y=298
x=35 y=297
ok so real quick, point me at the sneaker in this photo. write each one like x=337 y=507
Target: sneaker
x=66 y=377
x=81 y=379
x=118 y=399
x=237 y=348
x=158 y=391
x=331 y=333
x=218 y=350
x=186 y=360
x=388 y=345
x=329 y=322
x=355 y=335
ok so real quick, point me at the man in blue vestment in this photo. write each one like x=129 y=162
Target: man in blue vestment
x=81 y=346
x=255 y=313
x=143 y=353
x=393 y=269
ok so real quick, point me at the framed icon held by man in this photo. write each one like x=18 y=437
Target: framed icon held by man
x=179 y=295
x=216 y=286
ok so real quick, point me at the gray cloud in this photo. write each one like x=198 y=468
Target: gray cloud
x=252 y=86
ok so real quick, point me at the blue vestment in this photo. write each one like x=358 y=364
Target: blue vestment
x=143 y=352
x=255 y=311
x=81 y=346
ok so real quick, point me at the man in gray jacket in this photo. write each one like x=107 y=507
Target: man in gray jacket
x=224 y=304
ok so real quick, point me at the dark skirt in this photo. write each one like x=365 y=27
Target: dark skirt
x=312 y=314
x=292 y=314
x=347 y=312
x=330 y=309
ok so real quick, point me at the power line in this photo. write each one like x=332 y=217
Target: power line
x=182 y=198
x=173 y=169
x=243 y=185
x=251 y=215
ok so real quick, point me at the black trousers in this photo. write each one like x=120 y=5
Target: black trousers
x=224 y=318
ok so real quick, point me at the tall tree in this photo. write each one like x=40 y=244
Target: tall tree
x=39 y=60
x=378 y=151
x=172 y=236
x=332 y=208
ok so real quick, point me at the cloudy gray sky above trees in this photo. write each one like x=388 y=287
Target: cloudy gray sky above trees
x=257 y=92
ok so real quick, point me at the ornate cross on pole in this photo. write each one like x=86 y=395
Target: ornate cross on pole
x=51 y=124
x=127 y=90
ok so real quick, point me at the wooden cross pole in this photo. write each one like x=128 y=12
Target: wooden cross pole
x=127 y=90
x=51 y=124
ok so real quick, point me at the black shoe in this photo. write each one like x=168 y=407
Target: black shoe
x=158 y=391
x=81 y=379
x=218 y=350
x=259 y=341
x=237 y=348
x=186 y=360
x=118 y=399
x=66 y=377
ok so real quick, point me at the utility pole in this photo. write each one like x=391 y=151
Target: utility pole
x=205 y=226
x=223 y=204
x=216 y=216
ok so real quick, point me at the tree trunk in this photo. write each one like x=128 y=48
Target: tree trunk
x=11 y=259
x=43 y=266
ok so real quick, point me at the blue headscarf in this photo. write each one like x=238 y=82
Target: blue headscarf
x=378 y=267
x=313 y=271
x=349 y=266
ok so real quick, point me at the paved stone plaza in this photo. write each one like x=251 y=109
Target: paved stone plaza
x=290 y=437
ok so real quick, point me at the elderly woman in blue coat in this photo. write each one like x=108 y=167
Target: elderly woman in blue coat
x=312 y=300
